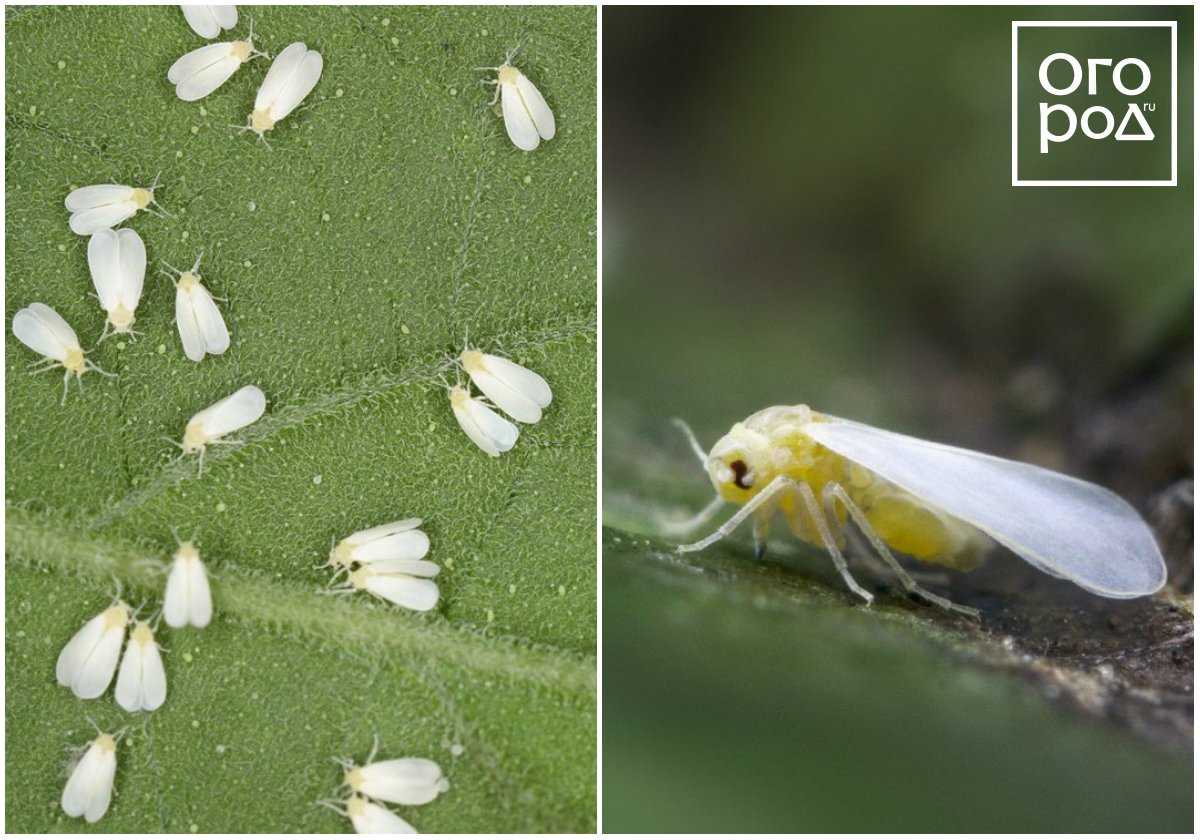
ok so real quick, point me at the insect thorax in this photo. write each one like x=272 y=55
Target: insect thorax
x=261 y=121
x=194 y=440
x=141 y=197
x=121 y=318
x=773 y=442
x=74 y=361
x=508 y=75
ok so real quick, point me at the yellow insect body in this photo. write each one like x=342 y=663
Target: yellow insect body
x=773 y=442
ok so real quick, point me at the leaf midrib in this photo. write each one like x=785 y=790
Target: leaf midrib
x=274 y=606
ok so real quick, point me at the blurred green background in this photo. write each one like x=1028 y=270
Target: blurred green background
x=814 y=205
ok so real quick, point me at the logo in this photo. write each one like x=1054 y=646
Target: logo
x=1094 y=103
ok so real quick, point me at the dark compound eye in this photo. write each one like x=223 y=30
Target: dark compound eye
x=739 y=474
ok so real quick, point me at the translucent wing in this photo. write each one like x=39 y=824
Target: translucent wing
x=1061 y=525
x=535 y=103
x=297 y=86
x=132 y=265
x=517 y=120
x=202 y=20
x=87 y=222
x=203 y=82
x=239 y=409
x=282 y=68
x=104 y=262
x=189 y=330
x=209 y=321
x=192 y=63
x=97 y=195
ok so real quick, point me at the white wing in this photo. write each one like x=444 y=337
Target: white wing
x=298 y=76
x=281 y=69
x=87 y=222
x=405 y=545
x=97 y=670
x=175 y=601
x=398 y=566
x=76 y=651
x=104 y=262
x=241 y=408
x=368 y=534
x=189 y=64
x=103 y=770
x=154 y=678
x=410 y=592
x=203 y=82
x=44 y=331
x=129 y=678
x=535 y=103
x=82 y=788
x=517 y=119
x=132 y=267
x=189 y=328
x=202 y=20
x=375 y=819
x=199 y=595
x=97 y=195
x=487 y=429
x=209 y=321
x=226 y=16
x=404 y=781
x=518 y=391
x=1061 y=525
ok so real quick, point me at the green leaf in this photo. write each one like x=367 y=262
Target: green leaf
x=390 y=215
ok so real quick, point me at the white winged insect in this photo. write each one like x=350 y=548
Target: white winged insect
x=517 y=391
x=203 y=70
x=369 y=818
x=938 y=504
x=107 y=205
x=188 y=599
x=208 y=21
x=401 y=781
x=486 y=429
x=117 y=261
x=89 y=789
x=141 y=679
x=395 y=548
x=527 y=117
x=239 y=409
x=292 y=76
x=201 y=327
x=88 y=662
x=44 y=331
x=413 y=589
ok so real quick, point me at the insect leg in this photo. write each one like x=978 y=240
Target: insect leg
x=762 y=524
x=691 y=437
x=777 y=486
x=839 y=561
x=835 y=492
x=679 y=527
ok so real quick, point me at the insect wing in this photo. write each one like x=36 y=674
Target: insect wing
x=190 y=64
x=209 y=321
x=189 y=328
x=297 y=85
x=241 y=408
x=517 y=119
x=535 y=103
x=132 y=266
x=44 y=331
x=1061 y=525
x=403 y=781
x=204 y=81
x=97 y=195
